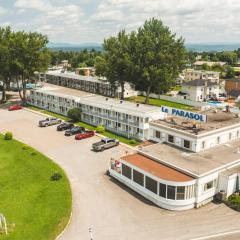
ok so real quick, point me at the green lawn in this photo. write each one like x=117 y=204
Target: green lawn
x=159 y=103
x=34 y=206
x=88 y=126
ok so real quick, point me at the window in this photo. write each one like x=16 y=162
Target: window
x=146 y=120
x=237 y=134
x=126 y=171
x=218 y=140
x=171 y=192
x=138 y=177
x=162 y=190
x=203 y=144
x=180 y=193
x=230 y=136
x=158 y=134
x=210 y=185
x=151 y=185
x=170 y=139
x=186 y=144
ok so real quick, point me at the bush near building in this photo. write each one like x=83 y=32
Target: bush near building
x=233 y=201
x=100 y=129
x=74 y=114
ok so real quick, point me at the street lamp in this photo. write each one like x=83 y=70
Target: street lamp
x=90 y=232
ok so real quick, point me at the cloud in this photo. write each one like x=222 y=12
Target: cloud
x=94 y=20
x=2 y=11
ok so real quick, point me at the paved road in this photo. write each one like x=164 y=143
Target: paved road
x=110 y=209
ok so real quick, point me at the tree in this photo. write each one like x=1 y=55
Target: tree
x=30 y=55
x=100 y=66
x=230 y=73
x=5 y=58
x=75 y=114
x=157 y=57
x=117 y=60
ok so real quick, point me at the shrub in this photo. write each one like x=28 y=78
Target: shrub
x=74 y=114
x=33 y=153
x=8 y=136
x=56 y=177
x=100 y=129
x=133 y=142
x=25 y=147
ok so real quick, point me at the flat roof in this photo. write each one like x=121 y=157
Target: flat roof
x=156 y=169
x=62 y=91
x=195 y=164
x=215 y=120
x=77 y=77
x=121 y=105
x=99 y=101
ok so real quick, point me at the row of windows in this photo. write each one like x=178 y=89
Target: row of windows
x=171 y=139
x=163 y=190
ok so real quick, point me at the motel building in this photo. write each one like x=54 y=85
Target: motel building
x=194 y=158
x=122 y=117
x=85 y=83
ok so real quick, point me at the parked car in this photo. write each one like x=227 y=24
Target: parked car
x=85 y=134
x=65 y=126
x=74 y=131
x=49 y=121
x=15 y=107
x=105 y=143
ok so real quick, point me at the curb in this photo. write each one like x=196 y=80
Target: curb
x=66 y=227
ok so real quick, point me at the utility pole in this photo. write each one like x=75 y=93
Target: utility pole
x=90 y=232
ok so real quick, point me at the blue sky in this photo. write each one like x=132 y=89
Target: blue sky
x=80 y=21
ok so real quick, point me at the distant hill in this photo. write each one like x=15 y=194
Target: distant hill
x=196 y=47
x=75 y=47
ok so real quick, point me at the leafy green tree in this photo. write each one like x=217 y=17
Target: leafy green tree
x=230 y=73
x=75 y=114
x=100 y=65
x=118 y=60
x=30 y=55
x=5 y=59
x=157 y=57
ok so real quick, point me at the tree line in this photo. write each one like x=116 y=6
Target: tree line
x=21 y=54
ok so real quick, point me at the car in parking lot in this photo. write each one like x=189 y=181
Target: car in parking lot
x=85 y=134
x=49 y=121
x=65 y=126
x=14 y=107
x=75 y=130
x=105 y=143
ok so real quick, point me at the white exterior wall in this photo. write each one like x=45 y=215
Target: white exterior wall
x=197 y=142
x=200 y=197
x=132 y=127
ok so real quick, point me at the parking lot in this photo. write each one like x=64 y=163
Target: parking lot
x=110 y=209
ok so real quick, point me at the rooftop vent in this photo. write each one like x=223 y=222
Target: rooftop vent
x=121 y=101
x=137 y=104
x=106 y=99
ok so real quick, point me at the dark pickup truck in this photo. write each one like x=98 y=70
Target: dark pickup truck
x=74 y=131
x=105 y=143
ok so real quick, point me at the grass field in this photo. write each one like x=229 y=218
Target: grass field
x=87 y=126
x=159 y=103
x=34 y=206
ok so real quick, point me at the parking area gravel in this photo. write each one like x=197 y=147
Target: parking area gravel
x=101 y=203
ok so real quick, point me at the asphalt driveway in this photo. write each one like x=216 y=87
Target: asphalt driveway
x=110 y=209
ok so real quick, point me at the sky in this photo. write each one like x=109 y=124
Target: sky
x=86 y=21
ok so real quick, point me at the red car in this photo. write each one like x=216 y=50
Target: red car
x=85 y=134
x=15 y=107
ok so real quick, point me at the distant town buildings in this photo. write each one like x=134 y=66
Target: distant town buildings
x=199 y=64
x=192 y=74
